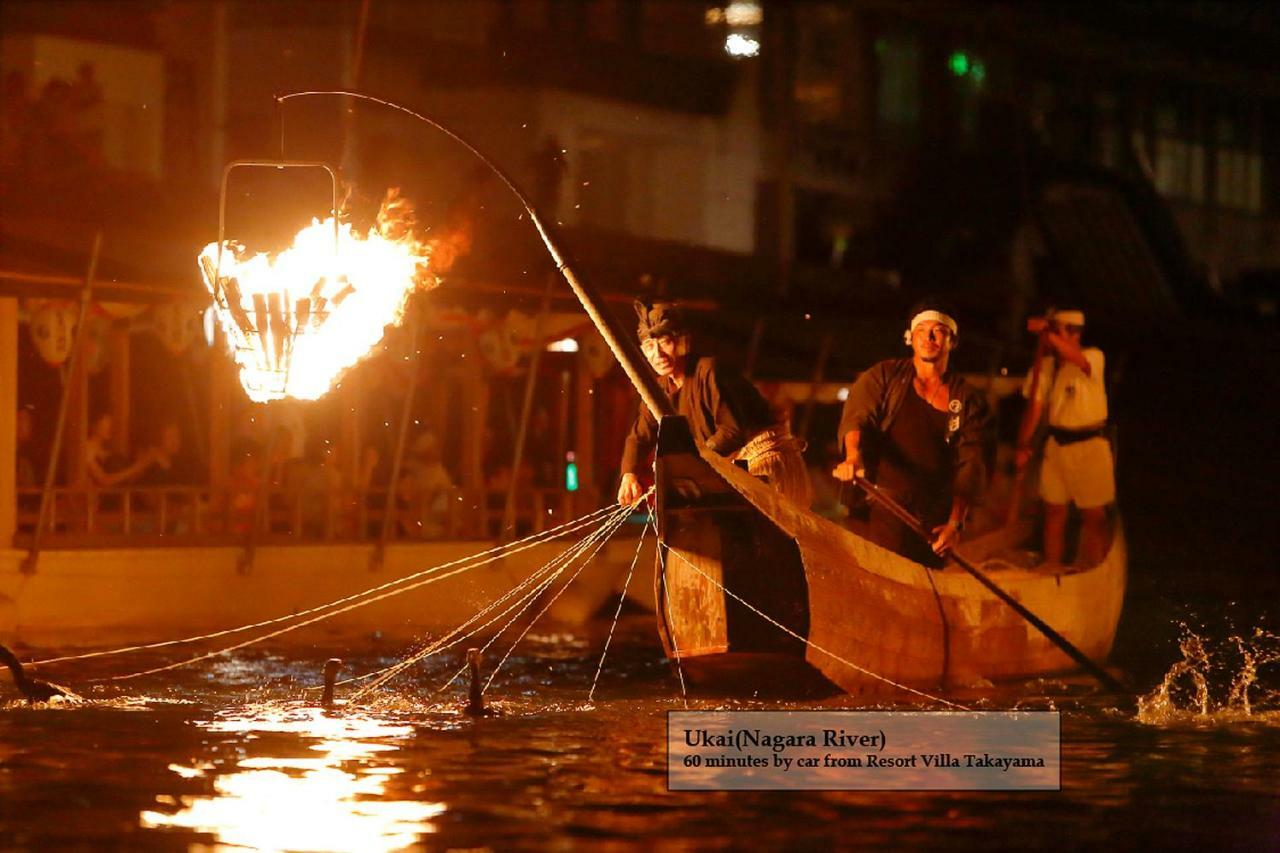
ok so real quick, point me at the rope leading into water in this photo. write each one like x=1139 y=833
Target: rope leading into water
x=563 y=559
x=423 y=581
x=675 y=645
x=541 y=581
x=608 y=535
x=807 y=641
x=490 y=555
x=528 y=600
x=626 y=586
x=446 y=641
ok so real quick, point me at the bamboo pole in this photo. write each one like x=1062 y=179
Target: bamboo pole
x=30 y=562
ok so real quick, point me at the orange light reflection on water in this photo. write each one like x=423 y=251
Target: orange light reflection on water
x=335 y=800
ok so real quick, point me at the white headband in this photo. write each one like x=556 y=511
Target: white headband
x=1069 y=318
x=935 y=316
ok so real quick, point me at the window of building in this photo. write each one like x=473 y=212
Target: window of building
x=603 y=20
x=602 y=181
x=820 y=69
x=897 y=60
x=1107 y=136
x=1179 y=155
x=1238 y=166
x=968 y=73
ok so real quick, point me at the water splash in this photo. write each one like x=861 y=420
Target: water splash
x=1224 y=681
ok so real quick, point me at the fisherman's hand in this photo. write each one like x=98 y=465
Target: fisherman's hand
x=1021 y=457
x=1037 y=325
x=629 y=490
x=945 y=536
x=847 y=470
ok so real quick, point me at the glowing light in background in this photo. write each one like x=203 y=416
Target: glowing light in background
x=570 y=472
x=736 y=44
x=743 y=20
x=744 y=14
x=308 y=803
x=563 y=345
x=295 y=321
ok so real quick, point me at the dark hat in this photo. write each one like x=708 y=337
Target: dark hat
x=659 y=318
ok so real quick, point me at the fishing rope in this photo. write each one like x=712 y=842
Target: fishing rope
x=675 y=646
x=429 y=648
x=388 y=594
x=434 y=646
x=496 y=552
x=626 y=585
x=552 y=601
x=809 y=642
x=528 y=602
x=566 y=556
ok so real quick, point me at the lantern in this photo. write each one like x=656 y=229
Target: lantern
x=53 y=329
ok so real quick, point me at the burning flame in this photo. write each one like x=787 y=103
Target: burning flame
x=297 y=320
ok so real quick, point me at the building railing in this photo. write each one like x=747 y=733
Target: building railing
x=202 y=515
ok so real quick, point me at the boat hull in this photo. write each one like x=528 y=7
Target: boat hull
x=867 y=619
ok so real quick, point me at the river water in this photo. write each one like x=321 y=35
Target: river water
x=233 y=753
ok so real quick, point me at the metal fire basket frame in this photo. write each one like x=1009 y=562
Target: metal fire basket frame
x=268 y=313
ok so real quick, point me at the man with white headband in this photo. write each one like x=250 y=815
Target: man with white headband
x=1078 y=466
x=916 y=428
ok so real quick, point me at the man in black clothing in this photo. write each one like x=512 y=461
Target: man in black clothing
x=918 y=427
x=726 y=413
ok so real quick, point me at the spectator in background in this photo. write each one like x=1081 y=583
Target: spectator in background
x=16 y=107
x=168 y=468
x=169 y=464
x=86 y=103
x=424 y=490
x=105 y=468
x=246 y=481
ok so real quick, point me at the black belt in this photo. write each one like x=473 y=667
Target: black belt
x=1072 y=436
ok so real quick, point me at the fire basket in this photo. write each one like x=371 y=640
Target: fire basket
x=297 y=319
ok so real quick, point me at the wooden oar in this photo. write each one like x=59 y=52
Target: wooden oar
x=903 y=515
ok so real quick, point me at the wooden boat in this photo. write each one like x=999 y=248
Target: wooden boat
x=755 y=592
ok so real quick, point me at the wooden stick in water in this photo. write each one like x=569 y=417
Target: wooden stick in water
x=331 y=668
x=475 y=705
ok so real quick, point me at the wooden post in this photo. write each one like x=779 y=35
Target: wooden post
x=475 y=416
x=506 y=531
x=76 y=370
x=222 y=388
x=8 y=419
x=76 y=430
x=819 y=369
x=118 y=360
x=397 y=459
x=584 y=428
x=349 y=438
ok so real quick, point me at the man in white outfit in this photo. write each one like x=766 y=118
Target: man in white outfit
x=1078 y=467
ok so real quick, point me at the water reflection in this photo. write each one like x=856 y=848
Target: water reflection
x=336 y=799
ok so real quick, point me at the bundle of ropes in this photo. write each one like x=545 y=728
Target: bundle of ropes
x=593 y=531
